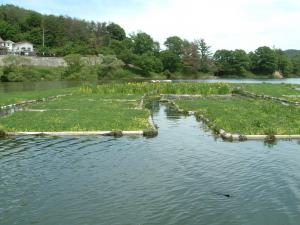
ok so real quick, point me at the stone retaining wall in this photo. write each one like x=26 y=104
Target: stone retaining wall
x=55 y=61
x=41 y=61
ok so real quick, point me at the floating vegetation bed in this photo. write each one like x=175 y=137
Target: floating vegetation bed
x=104 y=113
x=122 y=109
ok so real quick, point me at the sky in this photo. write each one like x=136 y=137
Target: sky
x=224 y=24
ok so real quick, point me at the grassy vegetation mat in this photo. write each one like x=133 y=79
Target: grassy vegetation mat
x=160 y=88
x=113 y=106
x=17 y=97
x=286 y=91
x=81 y=112
x=247 y=116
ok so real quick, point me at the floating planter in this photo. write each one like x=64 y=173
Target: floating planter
x=221 y=132
x=12 y=108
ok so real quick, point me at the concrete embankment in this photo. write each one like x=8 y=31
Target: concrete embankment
x=53 y=61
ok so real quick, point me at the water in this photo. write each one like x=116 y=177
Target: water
x=247 y=81
x=180 y=177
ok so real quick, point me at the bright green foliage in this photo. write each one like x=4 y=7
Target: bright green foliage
x=140 y=53
x=89 y=112
x=163 y=88
x=148 y=63
x=286 y=91
x=143 y=43
x=20 y=96
x=247 y=116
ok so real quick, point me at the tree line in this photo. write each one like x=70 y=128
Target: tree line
x=138 y=52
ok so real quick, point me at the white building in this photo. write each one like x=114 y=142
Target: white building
x=1 y=43
x=19 y=48
x=22 y=48
x=9 y=45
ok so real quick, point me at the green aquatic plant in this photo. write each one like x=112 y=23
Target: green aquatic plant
x=2 y=133
x=81 y=112
x=161 y=88
x=246 y=116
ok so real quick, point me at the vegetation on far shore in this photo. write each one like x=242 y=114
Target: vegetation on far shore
x=134 y=56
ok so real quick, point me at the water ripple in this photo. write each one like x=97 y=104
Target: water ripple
x=184 y=176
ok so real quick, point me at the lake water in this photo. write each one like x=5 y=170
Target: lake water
x=247 y=81
x=183 y=176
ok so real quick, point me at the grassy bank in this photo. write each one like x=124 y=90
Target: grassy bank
x=247 y=116
x=81 y=112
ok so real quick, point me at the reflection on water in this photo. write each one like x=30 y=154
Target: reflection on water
x=183 y=176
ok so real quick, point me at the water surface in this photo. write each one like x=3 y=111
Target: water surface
x=246 y=81
x=180 y=177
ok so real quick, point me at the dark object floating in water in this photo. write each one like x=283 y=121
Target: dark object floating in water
x=222 y=194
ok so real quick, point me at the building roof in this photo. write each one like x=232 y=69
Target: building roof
x=1 y=40
x=9 y=41
x=23 y=42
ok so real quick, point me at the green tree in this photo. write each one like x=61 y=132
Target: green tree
x=175 y=44
x=190 y=57
x=284 y=64
x=171 y=61
x=148 y=63
x=33 y=20
x=74 y=64
x=263 y=60
x=229 y=62
x=116 y=31
x=224 y=61
x=205 y=54
x=296 y=65
x=8 y=31
x=241 y=61
x=143 y=43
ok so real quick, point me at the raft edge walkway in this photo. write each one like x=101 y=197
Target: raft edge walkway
x=77 y=133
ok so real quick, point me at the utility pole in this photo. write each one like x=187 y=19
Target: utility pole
x=43 y=36
x=43 y=27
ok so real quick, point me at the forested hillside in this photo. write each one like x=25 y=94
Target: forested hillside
x=139 y=53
